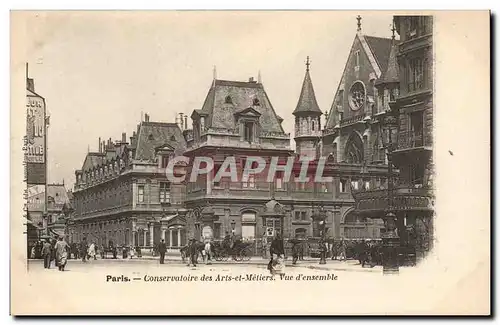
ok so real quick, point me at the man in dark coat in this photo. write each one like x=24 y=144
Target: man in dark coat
x=46 y=254
x=83 y=249
x=295 y=249
x=277 y=248
x=192 y=252
x=162 y=249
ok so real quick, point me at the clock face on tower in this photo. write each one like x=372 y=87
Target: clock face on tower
x=357 y=96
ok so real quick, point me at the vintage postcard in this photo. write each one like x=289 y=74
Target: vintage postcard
x=250 y=163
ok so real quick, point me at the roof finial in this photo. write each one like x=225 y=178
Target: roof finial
x=393 y=29
x=359 y=22
x=307 y=63
x=259 y=78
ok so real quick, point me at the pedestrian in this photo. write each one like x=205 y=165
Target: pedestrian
x=192 y=251
x=83 y=249
x=162 y=248
x=61 y=253
x=131 y=251
x=342 y=250
x=295 y=249
x=277 y=251
x=208 y=252
x=46 y=254
x=33 y=251
x=91 y=252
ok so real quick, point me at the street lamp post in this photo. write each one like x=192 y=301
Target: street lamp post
x=320 y=217
x=390 y=237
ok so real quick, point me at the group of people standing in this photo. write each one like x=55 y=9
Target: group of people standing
x=57 y=250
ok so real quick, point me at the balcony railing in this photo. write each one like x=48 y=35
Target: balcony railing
x=412 y=139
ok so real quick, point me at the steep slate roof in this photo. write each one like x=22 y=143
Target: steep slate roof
x=307 y=99
x=221 y=114
x=381 y=49
x=151 y=135
x=56 y=191
x=92 y=159
x=392 y=72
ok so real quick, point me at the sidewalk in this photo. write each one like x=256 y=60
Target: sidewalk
x=309 y=263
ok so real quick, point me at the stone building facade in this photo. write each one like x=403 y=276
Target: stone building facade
x=119 y=189
x=122 y=193
x=409 y=74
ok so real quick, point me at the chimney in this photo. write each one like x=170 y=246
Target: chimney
x=185 y=122
x=103 y=146
x=251 y=79
x=124 y=137
x=181 y=120
x=146 y=117
x=100 y=144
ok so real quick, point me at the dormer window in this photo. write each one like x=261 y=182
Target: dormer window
x=248 y=129
x=256 y=102
x=228 y=100
x=150 y=137
x=172 y=138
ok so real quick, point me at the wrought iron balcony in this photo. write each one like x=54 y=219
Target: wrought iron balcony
x=412 y=139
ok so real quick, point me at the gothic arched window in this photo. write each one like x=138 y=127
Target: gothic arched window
x=354 y=150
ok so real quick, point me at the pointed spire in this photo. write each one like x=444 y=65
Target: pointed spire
x=307 y=100
x=259 y=78
x=359 y=23
x=392 y=72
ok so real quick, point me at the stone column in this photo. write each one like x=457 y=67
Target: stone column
x=134 y=234
x=171 y=238
x=151 y=234
x=336 y=222
x=144 y=237
x=163 y=233
x=179 y=237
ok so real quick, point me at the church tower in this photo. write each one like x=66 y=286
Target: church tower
x=307 y=119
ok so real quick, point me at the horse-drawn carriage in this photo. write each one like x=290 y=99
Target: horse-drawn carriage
x=239 y=251
x=222 y=250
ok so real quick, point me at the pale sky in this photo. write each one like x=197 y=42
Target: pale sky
x=99 y=70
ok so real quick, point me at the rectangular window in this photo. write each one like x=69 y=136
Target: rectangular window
x=367 y=185
x=297 y=215
x=248 y=131
x=140 y=193
x=164 y=161
x=164 y=192
x=355 y=184
x=217 y=233
x=415 y=78
x=416 y=175
x=342 y=186
x=279 y=180
x=303 y=215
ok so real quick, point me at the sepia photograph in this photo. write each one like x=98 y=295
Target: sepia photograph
x=178 y=156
